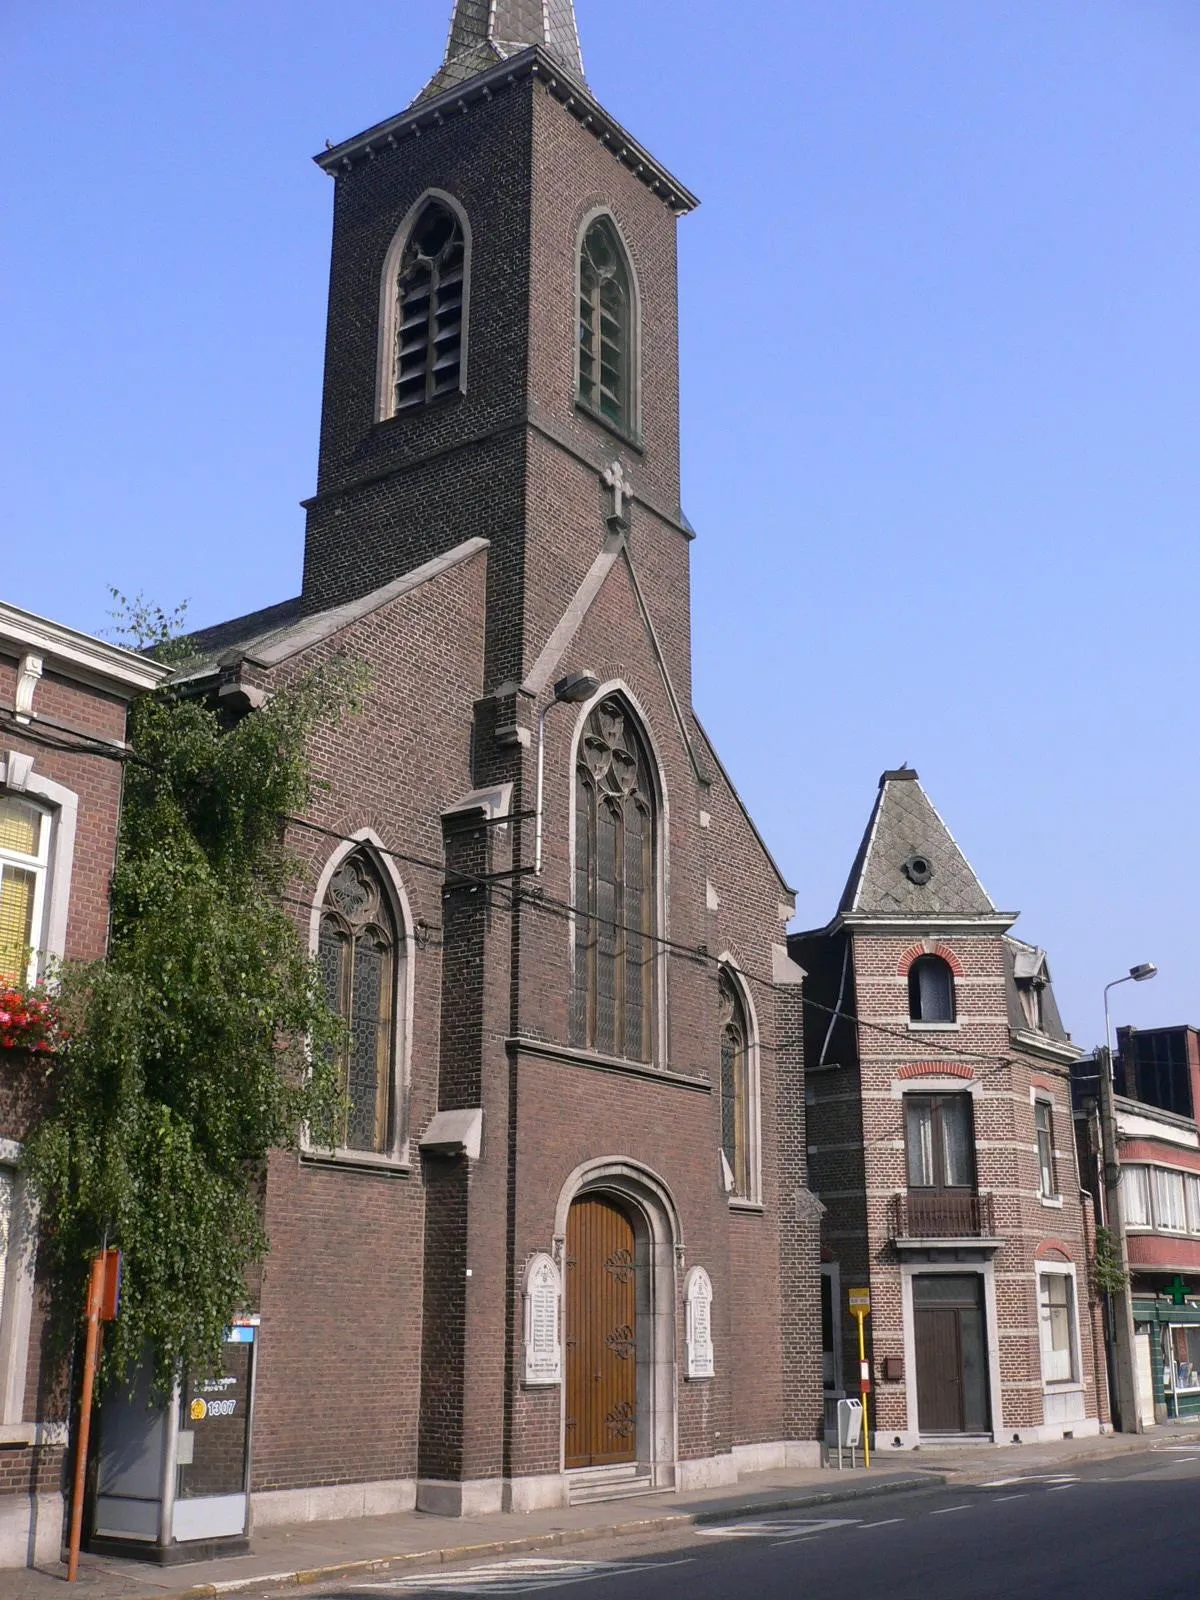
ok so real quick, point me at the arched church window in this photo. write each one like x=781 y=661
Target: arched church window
x=357 y=954
x=614 y=887
x=736 y=1107
x=430 y=296
x=606 y=327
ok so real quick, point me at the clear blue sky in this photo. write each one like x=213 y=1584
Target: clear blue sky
x=941 y=368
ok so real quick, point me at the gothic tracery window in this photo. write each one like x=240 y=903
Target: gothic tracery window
x=614 y=887
x=735 y=1085
x=357 y=954
x=430 y=297
x=606 y=327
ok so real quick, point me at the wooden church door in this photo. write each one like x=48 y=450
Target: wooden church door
x=601 y=1330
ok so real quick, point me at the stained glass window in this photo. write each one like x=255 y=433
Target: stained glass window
x=356 y=954
x=606 y=334
x=614 y=888
x=430 y=291
x=735 y=1084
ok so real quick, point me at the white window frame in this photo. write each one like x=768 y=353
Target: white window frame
x=18 y=777
x=1055 y=1191
x=37 y=864
x=1142 y=1180
x=1160 y=1177
x=1191 y=1188
x=16 y=1298
x=1058 y=1269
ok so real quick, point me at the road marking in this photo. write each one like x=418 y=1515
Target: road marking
x=522 y=1576
x=946 y=1510
x=1031 y=1477
x=886 y=1523
x=1057 y=1488
x=1001 y=1498
x=783 y=1528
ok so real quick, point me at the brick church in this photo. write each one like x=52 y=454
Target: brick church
x=565 y=1248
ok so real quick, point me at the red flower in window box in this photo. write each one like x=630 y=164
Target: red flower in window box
x=29 y=1020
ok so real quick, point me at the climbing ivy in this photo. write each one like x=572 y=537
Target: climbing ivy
x=203 y=1040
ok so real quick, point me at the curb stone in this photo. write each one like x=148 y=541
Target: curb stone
x=552 y=1539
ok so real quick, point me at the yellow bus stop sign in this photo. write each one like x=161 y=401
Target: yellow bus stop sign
x=860 y=1302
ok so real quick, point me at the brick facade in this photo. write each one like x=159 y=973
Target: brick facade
x=391 y=1360
x=63 y=705
x=857 y=1081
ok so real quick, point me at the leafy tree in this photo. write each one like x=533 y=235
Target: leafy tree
x=203 y=1041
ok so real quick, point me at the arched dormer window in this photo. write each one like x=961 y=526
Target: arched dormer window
x=737 y=1097
x=931 y=990
x=423 y=308
x=357 y=952
x=607 y=331
x=613 y=1000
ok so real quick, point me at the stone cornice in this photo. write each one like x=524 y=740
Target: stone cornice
x=532 y=63
x=78 y=655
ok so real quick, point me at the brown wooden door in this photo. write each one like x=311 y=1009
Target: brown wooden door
x=601 y=1421
x=939 y=1370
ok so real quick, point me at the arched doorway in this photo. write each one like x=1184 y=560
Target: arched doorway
x=602 y=1268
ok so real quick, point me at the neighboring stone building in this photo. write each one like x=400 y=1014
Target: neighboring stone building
x=939 y=1128
x=63 y=703
x=1157 y=1079
x=564 y=1249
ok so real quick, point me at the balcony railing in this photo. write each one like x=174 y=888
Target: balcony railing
x=942 y=1214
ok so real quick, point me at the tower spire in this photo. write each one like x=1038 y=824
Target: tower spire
x=484 y=32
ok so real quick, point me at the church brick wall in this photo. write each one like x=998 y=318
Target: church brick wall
x=339 y=1375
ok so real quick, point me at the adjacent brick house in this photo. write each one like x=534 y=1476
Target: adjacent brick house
x=63 y=703
x=1157 y=1080
x=564 y=1248
x=939 y=1129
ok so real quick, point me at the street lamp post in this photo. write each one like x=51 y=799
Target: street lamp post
x=1120 y=1303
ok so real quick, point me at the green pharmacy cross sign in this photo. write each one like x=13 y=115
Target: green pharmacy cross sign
x=1178 y=1291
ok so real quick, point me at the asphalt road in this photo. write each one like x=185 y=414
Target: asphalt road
x=1127 y=1527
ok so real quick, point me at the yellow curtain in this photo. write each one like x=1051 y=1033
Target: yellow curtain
x=16 y=921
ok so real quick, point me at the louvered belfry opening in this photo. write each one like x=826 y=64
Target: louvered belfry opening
x=431 y=295
x=613 y=998
x=606 y=327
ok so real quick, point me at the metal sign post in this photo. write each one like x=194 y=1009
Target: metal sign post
x=860 y=1309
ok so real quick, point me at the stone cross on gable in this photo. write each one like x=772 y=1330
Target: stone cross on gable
x=622 y=489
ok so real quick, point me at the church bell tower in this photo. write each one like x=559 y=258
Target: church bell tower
x=502 y=339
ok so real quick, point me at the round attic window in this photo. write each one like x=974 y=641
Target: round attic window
x=918 y=869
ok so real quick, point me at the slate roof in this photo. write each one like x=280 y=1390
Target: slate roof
x=1024 y=964
x=484 y=32
x=904 y=836
x=281 y=631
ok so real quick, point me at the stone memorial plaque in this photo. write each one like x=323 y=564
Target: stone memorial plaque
x=543 y=1347
x=698 y=1290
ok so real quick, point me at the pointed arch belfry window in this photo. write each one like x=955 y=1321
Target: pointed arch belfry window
x=613 y=1001
x=427 y=288
x=607 y=343
x=737 y=1140
x=357 y=952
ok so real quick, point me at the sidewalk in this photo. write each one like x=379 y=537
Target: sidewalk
x=312 y=1552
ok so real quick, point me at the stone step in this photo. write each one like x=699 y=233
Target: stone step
x=623 y=1483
